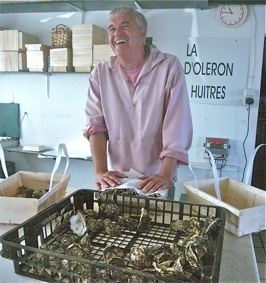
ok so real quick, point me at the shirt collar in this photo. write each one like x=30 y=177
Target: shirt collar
x=155 y=56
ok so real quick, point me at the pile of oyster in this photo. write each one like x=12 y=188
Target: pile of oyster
x=184 y=259
x=24 y=192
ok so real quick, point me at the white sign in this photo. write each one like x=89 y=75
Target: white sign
x=216 y=68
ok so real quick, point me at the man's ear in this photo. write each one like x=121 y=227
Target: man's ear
x=144 y=33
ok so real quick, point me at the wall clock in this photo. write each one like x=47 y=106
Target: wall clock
x=232 y=16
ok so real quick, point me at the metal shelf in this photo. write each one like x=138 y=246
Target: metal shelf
x=49 y=153
x=35 y=6
x=100 y=5
x=41 y=73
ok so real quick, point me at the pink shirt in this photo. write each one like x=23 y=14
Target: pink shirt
x=144 y=122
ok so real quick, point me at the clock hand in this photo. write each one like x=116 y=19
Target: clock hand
x=230 y=11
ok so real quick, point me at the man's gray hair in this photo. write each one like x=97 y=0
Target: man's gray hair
x=139 y=18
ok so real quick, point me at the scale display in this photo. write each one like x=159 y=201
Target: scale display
x=217 y=146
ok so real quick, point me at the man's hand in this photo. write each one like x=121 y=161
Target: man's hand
x=153 y=183
x=161 y=181
x=109 y=179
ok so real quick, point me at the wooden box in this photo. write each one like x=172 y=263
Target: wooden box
x=61 y=57
x=37 y=57
x=83 y=38
x=83 y=69
x=245 y=205
x=13 y=61
x=87 y=35
x=15 y=210
x=62 y=69
x=82 y=56
x=101 y=52
x=15 y=40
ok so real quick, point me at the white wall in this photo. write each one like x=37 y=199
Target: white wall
x=56 y=114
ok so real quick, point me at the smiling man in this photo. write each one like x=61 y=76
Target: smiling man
x=138 y=113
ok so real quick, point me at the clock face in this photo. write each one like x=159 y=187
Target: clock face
x=232 y=16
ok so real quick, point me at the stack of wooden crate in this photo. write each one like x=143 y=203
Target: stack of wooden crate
x=61 y=60
x=13 y=50
x=83 y=38
x=37 y=57
x=101 y=52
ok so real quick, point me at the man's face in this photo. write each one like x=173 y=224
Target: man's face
x=125 y=35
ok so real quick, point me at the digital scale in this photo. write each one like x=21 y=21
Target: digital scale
x=217 y=146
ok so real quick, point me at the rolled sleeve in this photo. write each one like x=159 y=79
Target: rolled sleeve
x=181 y=157
x=94 y=129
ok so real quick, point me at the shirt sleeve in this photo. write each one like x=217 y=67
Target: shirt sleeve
x=95 y=121
x=177 y=125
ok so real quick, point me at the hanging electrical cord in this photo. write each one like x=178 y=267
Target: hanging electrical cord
x=248 y=108
x=249 y=100
x=25 y=113
x=220 y=162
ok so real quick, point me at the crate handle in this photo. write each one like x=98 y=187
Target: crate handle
x=61 y=147
x=3 y=161
x=214 y=172
x=247 y=179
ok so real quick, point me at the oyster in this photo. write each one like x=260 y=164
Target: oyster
x=90 y=213
x=107 y=205
x=112 y=229
x=172 y=268
x=113 y=252
x=85 y=241
x=130 y=223
x=144 y=221
x=211 y=225
x=94 y=225
x=39 y=193
x=24 y=192
x=191 y=226
x=159 y=249
x=78 y=224
x=62 y=223
x=109 y=210
x=140 y=258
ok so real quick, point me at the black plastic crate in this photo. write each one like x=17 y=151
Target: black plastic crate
x=24 y=244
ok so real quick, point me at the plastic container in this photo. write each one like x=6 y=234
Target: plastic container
x=23 y=243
